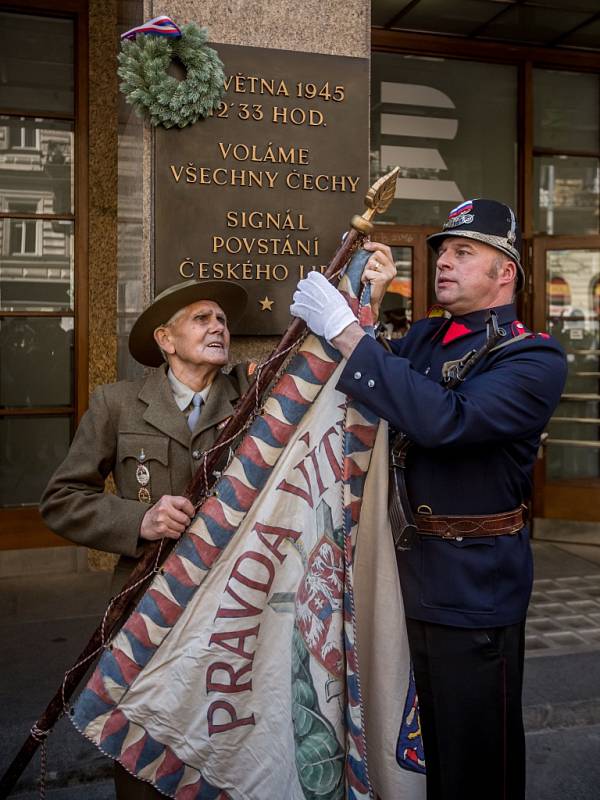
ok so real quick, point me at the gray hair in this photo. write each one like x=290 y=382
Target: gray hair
x=166 y=324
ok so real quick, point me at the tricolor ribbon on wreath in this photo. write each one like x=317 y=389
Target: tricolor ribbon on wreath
x=159 y=26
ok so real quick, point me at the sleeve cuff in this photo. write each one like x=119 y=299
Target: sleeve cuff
x=355 y=375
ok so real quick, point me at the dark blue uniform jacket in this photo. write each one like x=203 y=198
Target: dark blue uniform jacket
x=473 y=452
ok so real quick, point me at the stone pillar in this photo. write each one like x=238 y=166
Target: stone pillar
x=102 y=165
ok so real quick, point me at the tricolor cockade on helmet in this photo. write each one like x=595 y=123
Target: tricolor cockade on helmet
x=460 y=215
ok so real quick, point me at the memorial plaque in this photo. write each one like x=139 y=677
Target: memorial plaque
x=261 y=192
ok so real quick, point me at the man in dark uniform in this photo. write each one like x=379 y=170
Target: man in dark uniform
x=151 y=434
x=467 y=577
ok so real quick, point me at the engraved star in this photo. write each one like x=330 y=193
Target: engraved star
x=266 y=303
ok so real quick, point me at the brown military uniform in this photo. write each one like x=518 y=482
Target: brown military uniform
x=123 y=420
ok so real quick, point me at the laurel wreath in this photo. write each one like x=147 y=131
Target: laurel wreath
x=167 y=101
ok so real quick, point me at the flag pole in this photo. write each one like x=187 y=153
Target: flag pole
x=377 y=200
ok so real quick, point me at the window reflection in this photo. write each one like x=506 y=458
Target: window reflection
x=559 y=295
x=566 y=110
x=396 y=308
x=31 y=448
x=42 y=151
x=23 y=237
x=567 y=195
x=36 y=177
x=36 y=265
x=574 y=433
x=439 y=120
x=23 y=137
x=36 y=359
x=36 y=62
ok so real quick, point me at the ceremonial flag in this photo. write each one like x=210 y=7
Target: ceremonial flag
x=268 y=659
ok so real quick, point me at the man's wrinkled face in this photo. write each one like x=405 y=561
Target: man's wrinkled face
x=198 y=335
x=471 y=275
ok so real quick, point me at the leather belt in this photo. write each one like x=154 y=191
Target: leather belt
x=476 y=525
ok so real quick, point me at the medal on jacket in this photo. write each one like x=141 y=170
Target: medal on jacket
x=142 y=476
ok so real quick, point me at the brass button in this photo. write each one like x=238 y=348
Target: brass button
x=357 y=376
x=196 y=454
x=370 y=383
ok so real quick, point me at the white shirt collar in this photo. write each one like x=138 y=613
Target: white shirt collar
x=182 y=393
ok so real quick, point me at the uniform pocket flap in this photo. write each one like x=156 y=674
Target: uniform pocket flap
x=143 y=447
x=465 y=541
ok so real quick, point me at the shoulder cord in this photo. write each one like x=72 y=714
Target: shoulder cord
x=511 y=341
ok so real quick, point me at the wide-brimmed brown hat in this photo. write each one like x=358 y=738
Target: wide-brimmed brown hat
x=230 y=296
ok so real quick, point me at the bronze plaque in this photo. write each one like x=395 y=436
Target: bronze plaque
x=261 y=192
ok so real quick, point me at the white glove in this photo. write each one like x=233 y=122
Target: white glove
x=321 y=306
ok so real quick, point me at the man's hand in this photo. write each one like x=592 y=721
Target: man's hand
x=321 y=306
x=167 y=519
x=379 y=271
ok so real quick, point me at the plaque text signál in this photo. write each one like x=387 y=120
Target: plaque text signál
x=261 y=192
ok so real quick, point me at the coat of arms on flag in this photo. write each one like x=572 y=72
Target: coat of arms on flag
x=267 y=660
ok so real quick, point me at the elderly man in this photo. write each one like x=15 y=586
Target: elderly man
x=151 y=433
x=466 y=579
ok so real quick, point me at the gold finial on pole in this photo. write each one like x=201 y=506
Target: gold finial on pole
x=377 y=200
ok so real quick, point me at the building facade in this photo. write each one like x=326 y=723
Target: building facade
x=470 y=99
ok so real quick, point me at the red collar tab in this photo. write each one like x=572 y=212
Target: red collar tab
x=455 y=331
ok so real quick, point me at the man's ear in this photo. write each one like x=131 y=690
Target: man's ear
x=163 y=340
x=509 y=271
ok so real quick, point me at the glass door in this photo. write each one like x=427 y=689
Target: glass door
x=567 y=305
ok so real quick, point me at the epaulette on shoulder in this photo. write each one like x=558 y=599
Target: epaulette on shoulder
x=520 y=329
x=437 y=311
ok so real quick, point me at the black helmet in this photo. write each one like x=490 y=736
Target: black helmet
x=487 y=221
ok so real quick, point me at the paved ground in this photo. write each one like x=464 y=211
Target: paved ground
x=98 y=790
x=564 y=764
x=45 y=621
x=43 y=632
